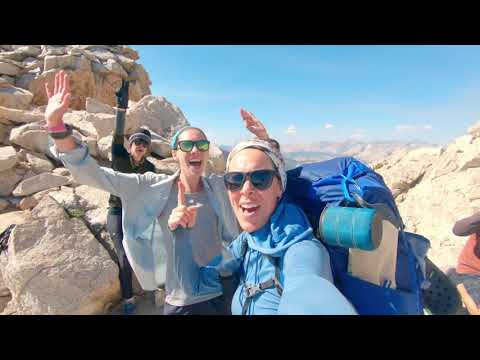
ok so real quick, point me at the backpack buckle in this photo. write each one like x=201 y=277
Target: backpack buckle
x=252 y=290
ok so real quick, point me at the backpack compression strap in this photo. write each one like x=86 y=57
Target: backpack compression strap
x=253 y=289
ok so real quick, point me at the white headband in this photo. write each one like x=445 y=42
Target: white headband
x=269 y=150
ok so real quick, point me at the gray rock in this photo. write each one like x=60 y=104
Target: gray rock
x=31 y=137
x=7 y=68
x=166 y=166
x=105 y=148
x=66 y=62
x=62 y=171
x=7 y=81
x=94 y=106
x=24 y=80
x=99 y=68
x=128 y=64
x=39 y=163
x=28 y=51
x=161 y=148
x=8 y=158
x=15 y=98
x=5 y=134
x=156 y=113
x=27 y=203
x=114 y=67
x=17 y=116
x=103 y=123
x=53 y=50
x=79 y=120
x=4 y=204
x=8 y=181
x=56 y=266
x=38 y=183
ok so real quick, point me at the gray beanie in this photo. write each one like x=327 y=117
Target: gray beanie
x=142 y=134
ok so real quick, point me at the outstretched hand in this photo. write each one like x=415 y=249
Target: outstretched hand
x=182 y=215
x=58 y=99
x=254 y=125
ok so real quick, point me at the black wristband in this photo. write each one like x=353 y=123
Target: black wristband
x=63 y=134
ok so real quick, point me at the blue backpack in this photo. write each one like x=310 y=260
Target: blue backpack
x=348 y=182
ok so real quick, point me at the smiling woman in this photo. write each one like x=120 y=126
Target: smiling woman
x=184 y=217
x=280 y=262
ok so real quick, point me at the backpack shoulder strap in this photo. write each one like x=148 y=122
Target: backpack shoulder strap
x=252 y=290
x=275 y=261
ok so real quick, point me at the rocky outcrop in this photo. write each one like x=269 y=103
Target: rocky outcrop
x=56 y=266
x=157 y=114
x=60 y=257
x=435 y=187
x=96 y=72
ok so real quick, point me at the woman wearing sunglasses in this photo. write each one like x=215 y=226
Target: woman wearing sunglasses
x=194 y=239
x=283 y=268
x=161 y=214
x=132 y=161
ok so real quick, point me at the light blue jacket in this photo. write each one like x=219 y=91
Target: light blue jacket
x=304 y=263
x=143 y=199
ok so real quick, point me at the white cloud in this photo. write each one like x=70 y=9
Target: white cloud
x=291 y=130
x=329 y=126
x=427 y=127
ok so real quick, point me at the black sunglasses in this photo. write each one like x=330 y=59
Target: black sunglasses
x=261 y=179
x=140 y=142
x=187 y=145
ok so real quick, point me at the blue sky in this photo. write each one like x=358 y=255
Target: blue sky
x=311 y=93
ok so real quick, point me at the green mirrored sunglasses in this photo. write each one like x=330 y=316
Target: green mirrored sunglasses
x=187 y=145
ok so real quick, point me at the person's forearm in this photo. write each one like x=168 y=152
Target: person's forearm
x=467 y=226
x=119 y=123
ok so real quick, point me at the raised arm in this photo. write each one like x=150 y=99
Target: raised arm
x=74 y=154
x=255 y=126
x=118 y=150
x=58 y=101
x=308 y=284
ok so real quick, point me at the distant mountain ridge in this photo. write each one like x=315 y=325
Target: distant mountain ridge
x=369 y=152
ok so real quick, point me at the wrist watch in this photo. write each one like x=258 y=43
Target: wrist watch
x=62 y=134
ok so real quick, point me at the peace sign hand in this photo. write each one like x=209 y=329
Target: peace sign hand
x=182 y=215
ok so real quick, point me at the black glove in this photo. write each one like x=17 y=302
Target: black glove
x=122 y=95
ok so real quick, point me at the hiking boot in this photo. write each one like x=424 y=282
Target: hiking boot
x=129 y=307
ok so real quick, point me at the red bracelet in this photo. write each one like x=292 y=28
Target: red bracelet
x=58 y=128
